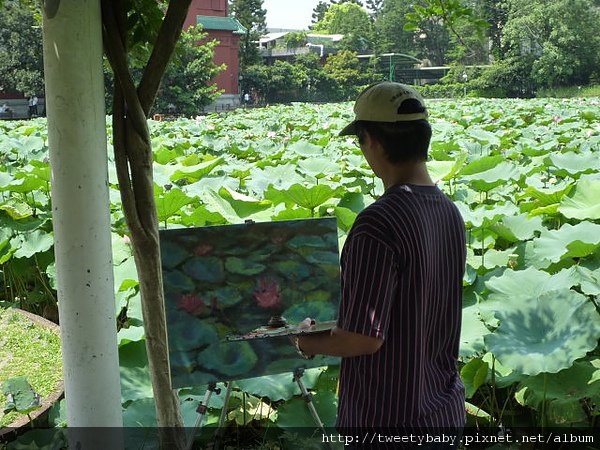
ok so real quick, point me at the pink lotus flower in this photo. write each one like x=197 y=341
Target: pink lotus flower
x=203 y=250
x=267 y=294
x=191 y=304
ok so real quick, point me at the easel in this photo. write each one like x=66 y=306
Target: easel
x=212 y=388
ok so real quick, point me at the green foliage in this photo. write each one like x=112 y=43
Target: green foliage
x=21 y=396
x=348 y=19
x=21 y=65
x=185 y=84
x=318 y=13
x=295 y=39
x=455 y=17
x=345 y=68
x=252 y=16
x=31 y=356
x=549 y=37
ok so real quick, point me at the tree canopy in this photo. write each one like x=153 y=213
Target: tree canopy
x=21 y=64
x=252 y=16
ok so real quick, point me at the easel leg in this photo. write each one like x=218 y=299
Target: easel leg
x=201 y=410
x=307 y=396
x=221 y=428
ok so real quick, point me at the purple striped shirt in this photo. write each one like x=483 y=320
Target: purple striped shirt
x=402 y=272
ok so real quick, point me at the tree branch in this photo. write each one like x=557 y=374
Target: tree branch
x=121 y=162
x=164 y=47
x=117 y=56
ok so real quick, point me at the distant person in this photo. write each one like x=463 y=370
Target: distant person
x=399 y=321
x=32 y=104
x=3 y=108
x=247 y=99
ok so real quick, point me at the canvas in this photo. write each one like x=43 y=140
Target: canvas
x=228 y=280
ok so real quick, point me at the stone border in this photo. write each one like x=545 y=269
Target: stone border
x=20 y=425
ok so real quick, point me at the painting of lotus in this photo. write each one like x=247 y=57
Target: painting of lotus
x=226 y=280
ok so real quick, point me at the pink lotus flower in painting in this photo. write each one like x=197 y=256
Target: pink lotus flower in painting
x=203 y=250
x=191 y=304
x=267 y=294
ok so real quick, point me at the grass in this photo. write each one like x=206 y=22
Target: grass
x=29 y=350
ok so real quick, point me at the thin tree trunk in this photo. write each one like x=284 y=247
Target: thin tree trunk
x=133 y=158
x=81 y=220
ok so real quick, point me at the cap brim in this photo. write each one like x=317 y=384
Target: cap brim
x=348 y=129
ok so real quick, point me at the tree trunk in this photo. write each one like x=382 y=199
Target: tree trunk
x=81 y=217
x=133 y=159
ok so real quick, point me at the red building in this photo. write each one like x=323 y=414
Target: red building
x=213 y=16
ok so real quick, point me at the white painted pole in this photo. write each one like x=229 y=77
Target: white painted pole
x=81 y=216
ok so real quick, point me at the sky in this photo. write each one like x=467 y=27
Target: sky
x=294 y=14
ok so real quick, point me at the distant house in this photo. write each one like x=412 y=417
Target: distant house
x=272 y=45
x=214 y=18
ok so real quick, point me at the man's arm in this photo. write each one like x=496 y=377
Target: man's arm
x=339 y=343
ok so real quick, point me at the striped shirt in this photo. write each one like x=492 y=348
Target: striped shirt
x=402 y=272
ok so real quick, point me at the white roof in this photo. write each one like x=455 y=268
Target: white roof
x=333 y=37
x=272 y=37
x=269 y=37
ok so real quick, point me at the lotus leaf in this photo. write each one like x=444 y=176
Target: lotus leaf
x=302 y=196
x=23 y=398
x=473 y=375
x=130 y=334
x=306 y=241
x=244 y=205
x=354 y=201
x=281 y=177
x=483 y=135
x=135 y=376
x=319 y=167
x=280 y=386
x=171 y=203
x=176 y=280
x=320 y=311
x=16 y=209
x=438 y=170
x=189 y=333
x=322 y=258
x=575 y=163
x=295 y=413
x=209 y=269
x=518 y=228
x=568 y=241
x=172 y=254
x=545 y=333
x=547 y=196
x=472 y=332
x=481 y=165
x=292 y=270
x=304 y=148
x=195 y=172
x=243 y=266
x=563 y=392
x=231 y=359
x=28 y=244
x=226 y=297
x=584 y=202
x=484 y=181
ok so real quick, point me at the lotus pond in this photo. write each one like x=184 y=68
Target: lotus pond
x=525 y=174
